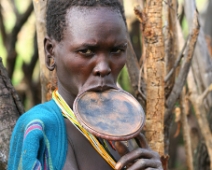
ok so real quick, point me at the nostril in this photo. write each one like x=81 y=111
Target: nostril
x=102 y=73
x=109 y=71
x=98 y=73
x=102 y=69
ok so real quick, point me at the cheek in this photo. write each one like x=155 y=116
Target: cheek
x=118 y=65
x=78 y=68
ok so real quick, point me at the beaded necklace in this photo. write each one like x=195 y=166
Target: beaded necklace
x=69 y=114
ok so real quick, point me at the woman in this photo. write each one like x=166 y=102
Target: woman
x=86 y=44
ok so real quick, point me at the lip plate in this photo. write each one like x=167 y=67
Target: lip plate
x=116 y=123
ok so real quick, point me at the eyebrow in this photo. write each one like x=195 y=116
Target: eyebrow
x=89 y=44
x=123 y=44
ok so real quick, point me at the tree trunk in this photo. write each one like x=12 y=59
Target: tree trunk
x=158 y=72
x=155 y=66
x=10 y=109
x=48 y=79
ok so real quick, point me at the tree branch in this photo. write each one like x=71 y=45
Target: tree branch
x=2 y=28
x=133 y=70
x=171 y=42
x=201 y=57
x=33 y=89
x=180 y=81
x=186 y=129
x=139 y=86
x=15 y=9
x=201 y=114
x=11 y=57
x=176 y=62
x=205 y=93
x=28 y=68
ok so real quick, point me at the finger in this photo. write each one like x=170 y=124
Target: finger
x=142 y=141
x=154 y=168
x=144 y=163
x=121 y=148
x=132 y=156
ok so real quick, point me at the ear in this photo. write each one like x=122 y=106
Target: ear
x=49 y=45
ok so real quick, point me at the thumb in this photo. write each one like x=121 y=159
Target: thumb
x=121 y=148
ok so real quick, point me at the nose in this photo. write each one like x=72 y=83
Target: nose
x=102 y=68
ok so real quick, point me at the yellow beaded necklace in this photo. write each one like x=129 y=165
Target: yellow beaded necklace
x=69 y=114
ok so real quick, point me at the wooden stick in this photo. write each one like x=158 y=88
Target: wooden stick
x=48 y=79
x=176 y=62
x=180 y=81
x=205 y=93
x=203 y=122
x=186 y=130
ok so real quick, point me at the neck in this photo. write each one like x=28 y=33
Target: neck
x=67 y=96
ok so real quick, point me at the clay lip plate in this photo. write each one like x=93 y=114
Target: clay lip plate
x=112 y=114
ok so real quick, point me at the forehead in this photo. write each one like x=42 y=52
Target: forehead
x=92 y=12
x=94 y=21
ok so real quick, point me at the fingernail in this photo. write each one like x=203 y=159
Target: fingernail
x=118 y=165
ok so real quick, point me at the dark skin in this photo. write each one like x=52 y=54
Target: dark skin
x=90 y=56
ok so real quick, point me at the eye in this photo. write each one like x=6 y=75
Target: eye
x=119 y=49
x=116 y=51
x=86 y=52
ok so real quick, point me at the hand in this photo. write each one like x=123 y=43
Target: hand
x=142 y=158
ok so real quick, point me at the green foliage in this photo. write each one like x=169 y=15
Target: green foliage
x=24 y=48
x=24 y=45
x=124 y=80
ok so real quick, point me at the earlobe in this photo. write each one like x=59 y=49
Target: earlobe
x=49 y=45
x=50 y=63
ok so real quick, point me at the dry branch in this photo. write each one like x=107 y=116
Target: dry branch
x=180 y=81
x=199 y=79
x=205 y=93
x=176 y=63
x=201 y=114
x=141 y=16
x=170 y=41
x=133 y=70
x=139 y=85
x=207 y=26
x=202 y=62
x=186 y=129
x=132 y=66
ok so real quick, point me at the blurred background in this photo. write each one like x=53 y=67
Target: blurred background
x=19 y=52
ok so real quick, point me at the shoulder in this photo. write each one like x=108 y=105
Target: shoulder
x=42 y=125
x=42 y=111
x=44 y=114
x=47 y=107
